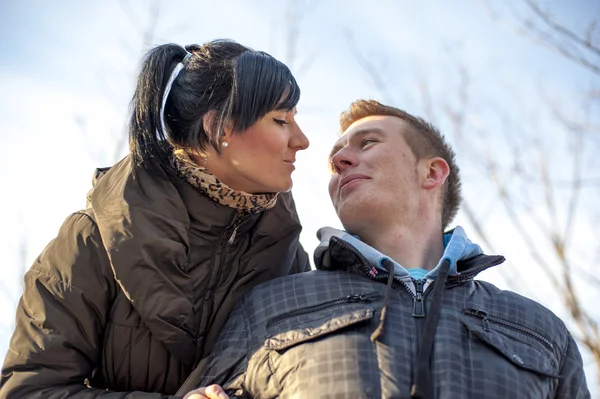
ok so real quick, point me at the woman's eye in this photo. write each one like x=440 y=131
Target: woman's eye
x=280 y=122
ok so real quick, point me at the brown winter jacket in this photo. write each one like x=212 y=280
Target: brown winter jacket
x=133 y=291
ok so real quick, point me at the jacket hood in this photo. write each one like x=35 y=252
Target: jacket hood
x=144 y=224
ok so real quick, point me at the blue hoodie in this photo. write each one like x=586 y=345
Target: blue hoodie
x=457 y=246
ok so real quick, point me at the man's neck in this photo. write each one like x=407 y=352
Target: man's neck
x=412 y=248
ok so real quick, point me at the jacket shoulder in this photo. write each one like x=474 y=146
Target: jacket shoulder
x=507 y=296
x=302 y=282
x=75 y=258
x=520 y=309
x=303 y=292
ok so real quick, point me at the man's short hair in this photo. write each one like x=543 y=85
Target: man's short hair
x=425 y=141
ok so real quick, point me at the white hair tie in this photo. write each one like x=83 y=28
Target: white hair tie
x=172 y=78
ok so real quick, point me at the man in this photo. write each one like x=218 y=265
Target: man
x=393 y=311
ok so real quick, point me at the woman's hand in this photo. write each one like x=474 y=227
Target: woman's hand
x=210 y=392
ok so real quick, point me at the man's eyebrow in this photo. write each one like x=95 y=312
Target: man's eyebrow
x=358 y=134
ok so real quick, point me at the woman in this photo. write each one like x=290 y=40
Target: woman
x=134 y=289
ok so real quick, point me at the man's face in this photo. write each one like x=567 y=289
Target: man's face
x=375 y=174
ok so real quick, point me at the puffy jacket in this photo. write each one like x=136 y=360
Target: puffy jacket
x=133 y=291
x=322 y=335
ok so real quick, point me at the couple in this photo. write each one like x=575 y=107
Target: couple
x=176 y=270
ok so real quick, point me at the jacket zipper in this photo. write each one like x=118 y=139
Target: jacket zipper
x=463 y=277
x=418 y=303
x=316 y=308
x=238 y=221
x=486 y=318
x=219 y=258
x=222 y=244
x=418 y=299
x=420 y=296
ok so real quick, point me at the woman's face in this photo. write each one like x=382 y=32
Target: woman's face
x=260 y=159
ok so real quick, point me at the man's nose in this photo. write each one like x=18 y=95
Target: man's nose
x=343 y=159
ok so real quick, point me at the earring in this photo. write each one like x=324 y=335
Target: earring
x=224 y=144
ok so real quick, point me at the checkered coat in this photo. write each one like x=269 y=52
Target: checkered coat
x=309 y=336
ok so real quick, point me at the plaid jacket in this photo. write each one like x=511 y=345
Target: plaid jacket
x=308 y=336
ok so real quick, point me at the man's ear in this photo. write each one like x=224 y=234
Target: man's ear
x=437 y=173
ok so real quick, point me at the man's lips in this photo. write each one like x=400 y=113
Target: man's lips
x=351 y=178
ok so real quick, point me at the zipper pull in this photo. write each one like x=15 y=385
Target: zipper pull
x=232 y=238
x=486 y=324
x=363 y=297
x=236 y=224
x=482 y=315
x=484 y=318
x=418 y=304
x=368 y=297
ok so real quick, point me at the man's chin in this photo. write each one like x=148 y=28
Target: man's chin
x=354 y=219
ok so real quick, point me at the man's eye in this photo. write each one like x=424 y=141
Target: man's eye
x=280 y=122
x=366 y=142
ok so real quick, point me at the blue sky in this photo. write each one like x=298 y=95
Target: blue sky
x=67 y=72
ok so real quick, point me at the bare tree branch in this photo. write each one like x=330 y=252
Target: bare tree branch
x=367 y=66
x=549 y=33
x=295 y=14
x=561 y=30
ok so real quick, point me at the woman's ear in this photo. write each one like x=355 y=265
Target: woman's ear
x=437 y=173
x=227 y=131
x=208 y=122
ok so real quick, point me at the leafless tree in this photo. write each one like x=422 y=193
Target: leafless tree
x=536 y=22
x=143 y=25
x=562 y=197
x=543 y=182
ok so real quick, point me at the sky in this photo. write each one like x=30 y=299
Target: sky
x=67 y=73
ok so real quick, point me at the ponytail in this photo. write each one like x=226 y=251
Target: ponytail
x=148 y=142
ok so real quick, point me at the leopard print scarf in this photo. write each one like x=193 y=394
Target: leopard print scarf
x=205 y=182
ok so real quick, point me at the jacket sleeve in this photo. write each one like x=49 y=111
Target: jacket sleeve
x=302 y=263
x=227 y=363
x=572 y=384
x=60 y=320
x=287 y=209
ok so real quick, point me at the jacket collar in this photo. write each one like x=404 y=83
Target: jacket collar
x=341 y=255
x=457 y=246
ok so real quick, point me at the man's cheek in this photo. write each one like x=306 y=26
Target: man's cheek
x=331 y=187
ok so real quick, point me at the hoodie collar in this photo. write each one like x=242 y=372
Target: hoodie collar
x=457 y=246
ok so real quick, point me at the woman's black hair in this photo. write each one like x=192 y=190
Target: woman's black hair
x=238 y=84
